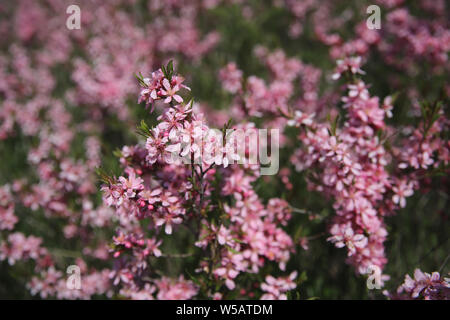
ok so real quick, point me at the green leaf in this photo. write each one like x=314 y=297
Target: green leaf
x=195 y=280
x=104 y=176
x=232 y=250
x=168 y=70
x=144 y=130
x=140 y=78
x=170 y=67
x=118 y=153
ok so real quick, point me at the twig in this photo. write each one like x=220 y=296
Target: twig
x=64 y=253
x=302 y=211
x=443 y=265
x=177 y=255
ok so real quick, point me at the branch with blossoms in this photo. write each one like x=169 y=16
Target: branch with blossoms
x=350 y=161
x=186 y=175
x=354 y=157
x=423 y=286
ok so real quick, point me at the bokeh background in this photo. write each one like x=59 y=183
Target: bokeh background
x=64 y=92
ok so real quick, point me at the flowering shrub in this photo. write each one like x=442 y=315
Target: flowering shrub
x=424 y=286
x=122 y=155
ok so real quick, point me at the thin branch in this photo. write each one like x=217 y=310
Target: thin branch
x=443 y=265
x=316 y=236
x=177 y=255
x=64 y=253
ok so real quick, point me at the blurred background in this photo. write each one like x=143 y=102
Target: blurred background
x=68 y=99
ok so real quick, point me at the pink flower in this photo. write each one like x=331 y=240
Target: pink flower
x=301 y=118
x=113 y=195
x=170 y=92
x=159 y=148
x=152 y=85
x=131 y=185
x=158 y=87
x=231 y=78
x=224 y=237
x=229 y=273
x=402 y=190
x=344 y=236
x=168 y=220
x=276 y=288
x=175 y=289
x=18 y=247
x=350 y=64
x=152 y=247
x=426 y=286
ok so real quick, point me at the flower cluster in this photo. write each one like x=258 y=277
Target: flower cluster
x=159 y=87
x=170 y=193
x=352 y=162
x=275 y=288
x=7 y=217
x=423 y=286
x=57 y=91
x=19 y=248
